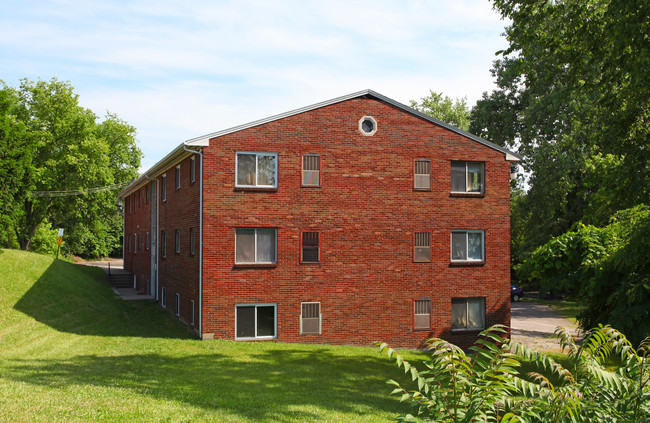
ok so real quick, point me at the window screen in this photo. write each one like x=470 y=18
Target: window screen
x=311 y=170
x=422 y=177
x=422 y=314
x=422 y=247
x=310 y=247
x=310 y=318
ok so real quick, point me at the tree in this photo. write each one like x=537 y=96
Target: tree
x=574 y=97
x=444 y=108
x=16 y=153
x=606 y=268
x=69 y=150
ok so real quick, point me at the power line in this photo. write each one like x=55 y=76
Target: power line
x=70 y=193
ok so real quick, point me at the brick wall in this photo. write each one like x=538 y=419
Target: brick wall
x=366 y=211
x=178 y=271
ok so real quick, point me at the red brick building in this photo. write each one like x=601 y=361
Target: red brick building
x=354 y=220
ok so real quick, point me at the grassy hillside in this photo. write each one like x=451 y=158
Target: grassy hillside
x=72 y=350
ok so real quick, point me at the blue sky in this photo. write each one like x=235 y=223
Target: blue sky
x=177 y=70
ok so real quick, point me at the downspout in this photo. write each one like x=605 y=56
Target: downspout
x=154 y=235
x=200 y=153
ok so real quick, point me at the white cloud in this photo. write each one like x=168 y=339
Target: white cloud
x=178 y=70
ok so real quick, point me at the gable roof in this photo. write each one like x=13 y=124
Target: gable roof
x=204 y=139
x=183 y=151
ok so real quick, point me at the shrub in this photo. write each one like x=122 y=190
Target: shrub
x=485 y=385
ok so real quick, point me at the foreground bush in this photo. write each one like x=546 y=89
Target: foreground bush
x=485 y=385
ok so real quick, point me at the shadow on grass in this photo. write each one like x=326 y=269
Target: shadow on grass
x=282 y=384
x=76 y=299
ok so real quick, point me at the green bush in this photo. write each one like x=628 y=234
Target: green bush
x=485 y=385
x=607 y=269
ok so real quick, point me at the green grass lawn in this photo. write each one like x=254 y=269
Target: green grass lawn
x=72 y=350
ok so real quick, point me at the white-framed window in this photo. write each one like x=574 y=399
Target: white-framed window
x=422 y=314
x=147 y=240
x=468 y=313
x=163 y=244
x=163 y=188
x=422 y=247
x=193 y=169
x=177 y=306
x=135 y=243
x=192 y=236
x=467 y=245
x=256 y=321
x=311 y=170
x=310 y=319
x=192 y=312
x=367 y=125
x=177 y=241
x=163 y=297
x=255 y=245
x=256 y=170
x=310 y=246
x=177 y=176
x=467 y=177
x=422 y=175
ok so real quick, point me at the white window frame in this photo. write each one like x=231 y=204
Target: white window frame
x=193 y=169
x=192 y=312
x=374 y=126
x=320 y=318
x=482 y=191
x=177 y=241
x=177 y=306
x=177 y=177
x=255 y=246
x=467 y=302
x=163 y=297
x=257 y=155
x=467 y=258
x=275 y=321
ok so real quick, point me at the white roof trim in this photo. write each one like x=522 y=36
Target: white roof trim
x=510 y=156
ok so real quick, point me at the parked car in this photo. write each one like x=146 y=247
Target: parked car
x=516 y=293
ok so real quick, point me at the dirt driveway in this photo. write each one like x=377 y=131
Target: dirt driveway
x=533 y=325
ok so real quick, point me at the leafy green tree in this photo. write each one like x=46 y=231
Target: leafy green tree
x=444 y=108
x=573 y=96
x=607 y=268
x=71 y=151
x=16 y=151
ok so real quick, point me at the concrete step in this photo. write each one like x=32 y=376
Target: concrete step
x=121 y=280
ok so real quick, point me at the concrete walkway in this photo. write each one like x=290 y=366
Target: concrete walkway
x=533 y=324
x=117 y=266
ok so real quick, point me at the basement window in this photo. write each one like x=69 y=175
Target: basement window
x=310 y=319
x=256 y=321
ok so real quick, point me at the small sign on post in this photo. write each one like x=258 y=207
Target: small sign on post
x=59 y=240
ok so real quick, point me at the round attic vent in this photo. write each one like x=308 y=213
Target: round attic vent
x=367 y=125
